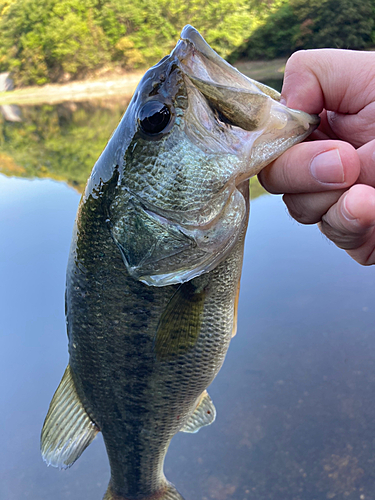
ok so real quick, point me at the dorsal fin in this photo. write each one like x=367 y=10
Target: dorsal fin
x=67 y=429
x=204 y=414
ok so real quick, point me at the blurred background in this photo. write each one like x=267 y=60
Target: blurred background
x=295 y=397
x=52 y=40
x=100 y=48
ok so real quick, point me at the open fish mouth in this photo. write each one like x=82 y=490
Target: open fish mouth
x=199 y=60
x=245 y=103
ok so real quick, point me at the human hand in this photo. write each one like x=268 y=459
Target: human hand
x=331 y=179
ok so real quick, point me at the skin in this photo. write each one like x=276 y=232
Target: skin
x=330 y=180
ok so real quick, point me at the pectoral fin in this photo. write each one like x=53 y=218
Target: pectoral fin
x=204 y=414
x=67 y=429
x=180 y=324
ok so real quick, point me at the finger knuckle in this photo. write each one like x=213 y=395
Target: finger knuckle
x=296 y=60
x=298 y=211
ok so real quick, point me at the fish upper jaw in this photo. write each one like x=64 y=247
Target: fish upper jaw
x=199 y=59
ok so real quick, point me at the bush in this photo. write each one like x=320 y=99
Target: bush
x=329 y=23
x=273 y=38
x=40 y=40
x=305 y=24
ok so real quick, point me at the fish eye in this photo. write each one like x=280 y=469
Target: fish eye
x=154 y=117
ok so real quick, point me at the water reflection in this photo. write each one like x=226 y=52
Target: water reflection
x=296 y=412
x=11 y=113
x=61 y=142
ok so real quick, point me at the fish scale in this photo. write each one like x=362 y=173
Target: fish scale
x=155 y=264
x=168 y=172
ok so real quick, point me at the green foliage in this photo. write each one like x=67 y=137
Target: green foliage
x=73 y=40
x=47 y=40
x=40 y=40
x=274 y=37
x=56 y=40
x=329 y=23
x=143 y=32
x=304 y=24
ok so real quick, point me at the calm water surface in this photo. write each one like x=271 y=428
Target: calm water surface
x=295 y=397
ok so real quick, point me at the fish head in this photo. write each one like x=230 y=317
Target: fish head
x=194 y=131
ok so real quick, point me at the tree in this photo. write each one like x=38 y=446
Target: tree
x=304 y=24
x=44 y=40
x=329 y=23
x=274 y=36
x=40 y=40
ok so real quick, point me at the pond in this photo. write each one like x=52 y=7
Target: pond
x=295 y=397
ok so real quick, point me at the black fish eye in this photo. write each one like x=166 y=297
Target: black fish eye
x=154 y=116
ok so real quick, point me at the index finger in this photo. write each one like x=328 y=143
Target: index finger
x=332 y=79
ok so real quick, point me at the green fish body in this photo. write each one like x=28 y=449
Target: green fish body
x=155 y=263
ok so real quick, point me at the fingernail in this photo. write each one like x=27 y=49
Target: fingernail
x=345 y=211
x=327 y=167
x=283 y=101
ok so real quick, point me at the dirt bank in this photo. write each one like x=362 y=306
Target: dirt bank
x=110 y=86
x=123 y=85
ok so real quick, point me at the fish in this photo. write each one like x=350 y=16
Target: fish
x=155 y=263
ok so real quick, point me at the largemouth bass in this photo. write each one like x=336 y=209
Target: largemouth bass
x=155 y=263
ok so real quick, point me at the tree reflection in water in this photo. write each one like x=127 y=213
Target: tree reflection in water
x=60 y=142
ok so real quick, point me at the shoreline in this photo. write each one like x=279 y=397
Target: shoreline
x=119 y=85
x=76 y=91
